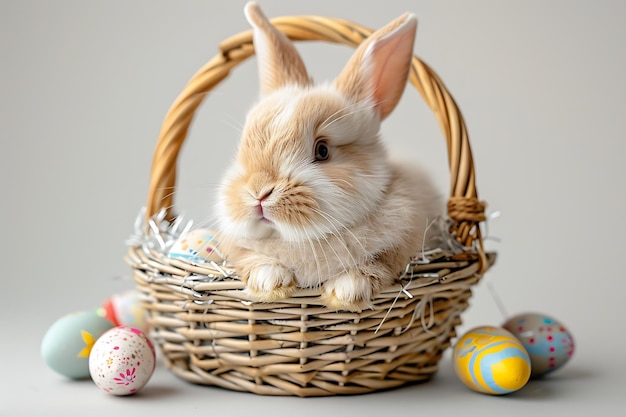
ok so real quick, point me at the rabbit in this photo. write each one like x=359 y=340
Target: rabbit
x=312 y=199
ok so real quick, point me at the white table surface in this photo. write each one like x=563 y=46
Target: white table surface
x=585 y=386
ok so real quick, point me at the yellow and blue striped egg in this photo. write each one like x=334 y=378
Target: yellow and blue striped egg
x=491 y=360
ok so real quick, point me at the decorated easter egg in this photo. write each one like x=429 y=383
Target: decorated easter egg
x=491 y=360
x=66 y=345
x=548 y=342
x=197 y=245
x=124 y=309
x=122 y=360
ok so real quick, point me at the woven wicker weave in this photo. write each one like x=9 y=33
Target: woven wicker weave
x=211 y=334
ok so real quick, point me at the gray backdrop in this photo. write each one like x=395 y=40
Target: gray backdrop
x=84 y=87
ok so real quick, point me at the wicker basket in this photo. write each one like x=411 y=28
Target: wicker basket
x=209 y=333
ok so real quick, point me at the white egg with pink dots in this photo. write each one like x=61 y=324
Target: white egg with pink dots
x=548 y=342
x=122 y=360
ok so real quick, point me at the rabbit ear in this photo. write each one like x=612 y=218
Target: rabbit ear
x=278 y=60
x=379 y=68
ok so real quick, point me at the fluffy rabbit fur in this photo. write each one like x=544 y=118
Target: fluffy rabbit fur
x=312 y=198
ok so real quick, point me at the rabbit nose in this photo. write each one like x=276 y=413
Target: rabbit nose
x=260 y=197
x=264 y=194
x=259 y=209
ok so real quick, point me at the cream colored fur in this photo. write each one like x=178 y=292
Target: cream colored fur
x=349 y=223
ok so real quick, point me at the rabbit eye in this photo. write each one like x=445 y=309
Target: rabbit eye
x=321 y=150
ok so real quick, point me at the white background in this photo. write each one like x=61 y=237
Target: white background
x=84 y=87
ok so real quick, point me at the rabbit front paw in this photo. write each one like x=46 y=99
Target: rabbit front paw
x=350 y=291
x=270 y=282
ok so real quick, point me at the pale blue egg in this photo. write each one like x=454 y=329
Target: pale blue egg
x=66 y=345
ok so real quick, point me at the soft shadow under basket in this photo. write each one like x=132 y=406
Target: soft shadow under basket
x=209 y=333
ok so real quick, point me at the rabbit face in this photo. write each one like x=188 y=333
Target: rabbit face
x=310 y=163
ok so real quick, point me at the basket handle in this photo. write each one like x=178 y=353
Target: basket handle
x=464 y=208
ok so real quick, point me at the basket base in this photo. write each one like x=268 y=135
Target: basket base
x=302 y=385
